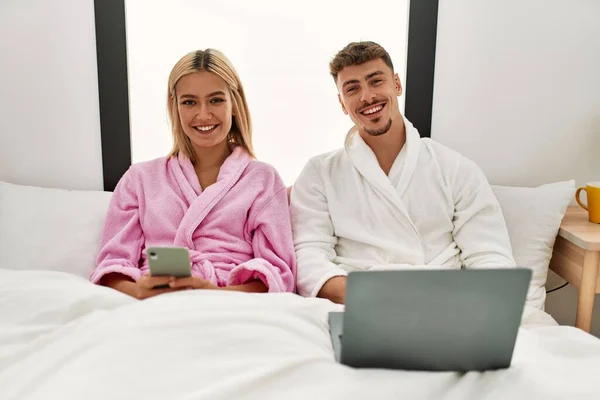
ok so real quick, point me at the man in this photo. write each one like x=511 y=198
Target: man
x=388 y=199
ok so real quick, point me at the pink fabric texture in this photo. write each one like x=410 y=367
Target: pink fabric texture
x=236 y=230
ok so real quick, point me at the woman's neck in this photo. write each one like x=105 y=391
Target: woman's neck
x=209 y=161
x=209 y=158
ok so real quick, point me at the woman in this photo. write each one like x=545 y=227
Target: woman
x=209 y=195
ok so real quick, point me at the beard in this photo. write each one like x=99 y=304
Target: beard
x=380 y=131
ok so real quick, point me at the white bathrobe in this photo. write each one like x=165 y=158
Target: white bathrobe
x=435 y=208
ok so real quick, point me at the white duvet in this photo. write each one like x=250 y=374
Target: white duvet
x=63 y=338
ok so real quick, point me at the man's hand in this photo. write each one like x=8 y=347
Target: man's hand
x=334 y=289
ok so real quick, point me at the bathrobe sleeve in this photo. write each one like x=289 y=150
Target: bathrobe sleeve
x=122 y=237
x=274 y=261
x=314 y=238
x=479 y=226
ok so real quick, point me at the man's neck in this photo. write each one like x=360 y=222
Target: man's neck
x=387 y=146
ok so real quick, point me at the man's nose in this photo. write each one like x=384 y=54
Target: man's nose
x=367 y=96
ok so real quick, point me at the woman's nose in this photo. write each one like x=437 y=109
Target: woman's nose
x=203 y=113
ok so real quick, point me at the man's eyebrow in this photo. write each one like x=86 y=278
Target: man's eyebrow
x=372 y=74
x=351 y=81
x=367 y=77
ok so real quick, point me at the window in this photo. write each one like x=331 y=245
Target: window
x=281 y=51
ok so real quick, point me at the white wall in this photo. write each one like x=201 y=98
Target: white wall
x=517 y=89
x=281 y=51
x=49 y=115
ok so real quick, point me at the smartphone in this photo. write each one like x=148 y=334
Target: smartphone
x=171 y=261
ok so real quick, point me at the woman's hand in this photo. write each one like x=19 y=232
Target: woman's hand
x=149 y=286
x=191 y=282
x=143 y=288
x=199 y=283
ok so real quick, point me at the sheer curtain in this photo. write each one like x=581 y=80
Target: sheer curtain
x=281 y=50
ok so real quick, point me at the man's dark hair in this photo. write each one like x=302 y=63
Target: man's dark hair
x=357 y=53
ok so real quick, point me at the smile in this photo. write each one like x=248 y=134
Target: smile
x=373 y=111
x=205 y=128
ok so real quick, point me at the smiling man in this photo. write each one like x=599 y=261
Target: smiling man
x=389 y=198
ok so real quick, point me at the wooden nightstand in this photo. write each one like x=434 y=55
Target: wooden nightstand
x=576 y=259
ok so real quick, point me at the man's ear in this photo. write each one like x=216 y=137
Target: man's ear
x=342 y=104
x=397 y=84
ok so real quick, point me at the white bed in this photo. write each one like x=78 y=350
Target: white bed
x=62 y=337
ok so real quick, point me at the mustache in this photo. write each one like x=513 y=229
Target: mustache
x=364 y=106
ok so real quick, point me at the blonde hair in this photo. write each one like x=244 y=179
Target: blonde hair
x=214 y=61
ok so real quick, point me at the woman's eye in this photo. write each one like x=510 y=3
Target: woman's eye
x=188 y=102
x=216 y=100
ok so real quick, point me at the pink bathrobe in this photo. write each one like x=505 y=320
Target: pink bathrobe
x=237 y=230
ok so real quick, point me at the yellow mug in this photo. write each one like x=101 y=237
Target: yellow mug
x=592 y=190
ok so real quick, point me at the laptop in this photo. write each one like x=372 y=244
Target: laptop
x=430 y=320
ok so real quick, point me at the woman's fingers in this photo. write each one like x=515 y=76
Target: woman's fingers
x=183 y=282
x=192 y=282
x=155 y=292
x=150 y=282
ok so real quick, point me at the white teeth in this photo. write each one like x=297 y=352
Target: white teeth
x=205 y=128
x=372 y=110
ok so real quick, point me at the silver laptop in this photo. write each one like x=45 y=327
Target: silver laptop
x=430 y=320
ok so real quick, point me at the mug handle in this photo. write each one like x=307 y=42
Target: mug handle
x=578 y=200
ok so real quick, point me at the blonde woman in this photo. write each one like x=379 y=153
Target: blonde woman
x=209 y=195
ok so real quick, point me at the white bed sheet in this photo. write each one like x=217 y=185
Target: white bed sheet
x=63 y=338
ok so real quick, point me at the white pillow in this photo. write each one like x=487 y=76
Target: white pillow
x=50 y=229
x=533 y=217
